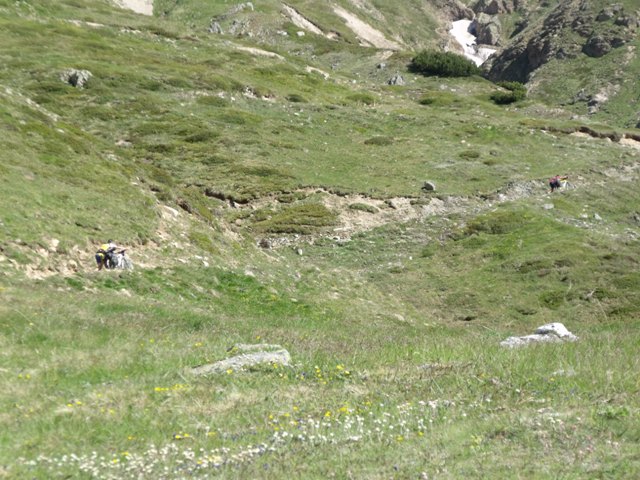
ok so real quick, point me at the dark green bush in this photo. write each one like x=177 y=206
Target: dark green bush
x=213 y=101
x=440 y=99
x=380 y=141
x=444 y=64
x=364 y=98
x=201 y=136
x=469 y=154
x=295 y=98
x=302 y=219
x=496 y=223
x=516 y=92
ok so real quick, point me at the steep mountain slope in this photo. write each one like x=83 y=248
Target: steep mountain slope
x=580 y=54
x=540 y=43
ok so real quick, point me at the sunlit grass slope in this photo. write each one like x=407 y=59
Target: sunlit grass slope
x=393 y=332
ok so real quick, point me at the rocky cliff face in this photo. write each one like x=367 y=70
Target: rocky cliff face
x=573 y=28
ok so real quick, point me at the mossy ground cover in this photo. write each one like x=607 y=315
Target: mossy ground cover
x=394 y=334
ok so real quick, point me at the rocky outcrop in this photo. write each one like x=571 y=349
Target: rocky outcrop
x=215 y=27
x=534 y=46
x=397 y=79
x=494 y=7
x=454 y=9
x=76 y=78
x=487 y=29
x=540 y=41
x=237 y=27
x=597 y=46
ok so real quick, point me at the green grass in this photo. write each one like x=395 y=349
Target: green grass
x=393 y=331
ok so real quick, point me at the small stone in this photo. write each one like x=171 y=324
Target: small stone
x=549 y=333
x=396 y=80
x=215 y=27
x=76 y=78
x=429 y=186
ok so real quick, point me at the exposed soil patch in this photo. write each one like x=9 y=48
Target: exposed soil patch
x=144 y=7
x=259 y=52
x=368 y=35
x=301 y=21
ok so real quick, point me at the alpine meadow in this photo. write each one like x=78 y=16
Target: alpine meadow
x=346 y=258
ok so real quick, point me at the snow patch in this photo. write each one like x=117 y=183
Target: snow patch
x=471 y=50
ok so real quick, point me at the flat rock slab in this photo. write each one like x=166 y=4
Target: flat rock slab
x=246 y=355
x=549 y=333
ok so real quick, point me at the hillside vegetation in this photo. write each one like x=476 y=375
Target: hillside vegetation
x=270 y=189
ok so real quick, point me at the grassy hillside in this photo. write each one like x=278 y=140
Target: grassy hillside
x=264 y=202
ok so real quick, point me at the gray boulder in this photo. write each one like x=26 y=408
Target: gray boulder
x=596 y=101
x=628 y=21
x=246 y=355
x=453 y=9
x=76 y=78
x=494 y=7
x=215 y=27
x=397 y=79
x=549 y=333
x=605 y=14
x=428 y=186
x=240 y=7
x=597 y=46
x=487 y=29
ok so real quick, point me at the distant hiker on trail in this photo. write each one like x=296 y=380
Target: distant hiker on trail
x=557 y=182
x=105 y=254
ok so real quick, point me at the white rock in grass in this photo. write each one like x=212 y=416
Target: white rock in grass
x=557 y=329
x=551 y=332
x=76 y=78
x=248 y=356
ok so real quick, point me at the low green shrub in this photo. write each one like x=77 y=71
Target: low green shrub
x=201 y=136
x=516 y=92
x=213 y=101
x=444 y=64
x=364 y=98
x=380 y=141
x=363 y=207
x=440 y=99
x=296 y=98
x=496 y=223
x=469 y=154
x=302 y=219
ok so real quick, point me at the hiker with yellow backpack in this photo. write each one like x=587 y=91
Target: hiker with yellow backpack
x=105 y=254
